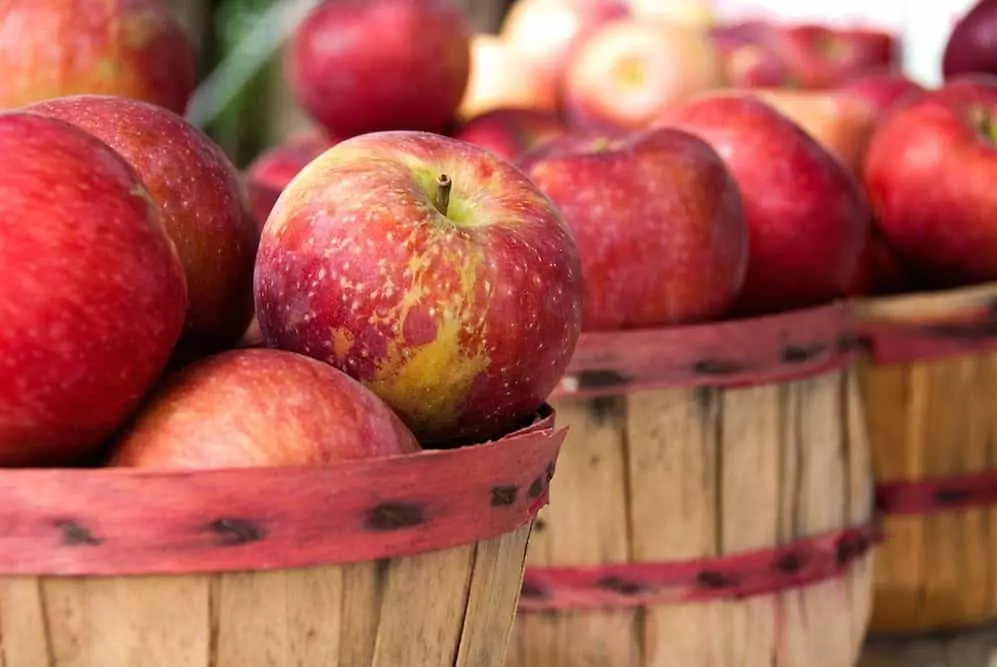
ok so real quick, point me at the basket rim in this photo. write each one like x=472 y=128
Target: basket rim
x=130 y=521
x=929 y=325
x=726 y=353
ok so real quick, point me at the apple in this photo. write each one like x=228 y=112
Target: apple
x=259 y=407
x=543 y=32
x=964 y=88
x=970 y=46
x=739 y=33
x=841 y=123
x=501 y=77
x=879 y=271
x=755 y=66
x=273 y=169
x=751 y=56
x=509 y=132
x=92 y=294
x=807 y=217
x=203 y=204
x=820 y=56
x=365 y=65
x=883 y=89
x=651 y=255
x=53 y=48
x=431 y=270
x=626 y=72
x=872 y=48
x=930 y=173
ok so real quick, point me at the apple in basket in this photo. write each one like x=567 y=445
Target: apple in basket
x=274 y=168
x=508 y=132
x=624 y=73
x=807 y=216
x=543 y=32
x=930 y=172
x=199 y=192
x=246 y=408
x=136 y=49
x=658 y=221
x=92 y=292
x=364 y=65
x=431 y=270
x=883 y=89
x=502 y=77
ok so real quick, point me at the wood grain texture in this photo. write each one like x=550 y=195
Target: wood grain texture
x=681 y=473
x=139 y=521
x=929 y=388
x=270 y=567
x=449 y=608
x=929 y=326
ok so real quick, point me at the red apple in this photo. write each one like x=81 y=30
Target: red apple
x=820 y=56
x=930 y=173
x=756 y=66
x=544 y=31
x=651 y=255
x=626 y=72
x=806 y=214
x=883 y=89
x=431 y=270
x=739 y=33
x=503 y=77
x=873 y=48
x=971 y=46
x=842 y=124
x=253 y=408
x=964 y=88
x=52 y=48
x=510 y=132
x=92 y=295
x=750 y=56
x=204 y=206
x=879 y=271
x=273 y=169
x=364 y=65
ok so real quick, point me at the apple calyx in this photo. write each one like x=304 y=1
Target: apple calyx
x=984 y=125
x=630 y=71
x=441 y=198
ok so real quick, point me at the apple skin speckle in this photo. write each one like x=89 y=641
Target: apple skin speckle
x=462 y=323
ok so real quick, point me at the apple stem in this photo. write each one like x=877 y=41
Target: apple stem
x=442 y=199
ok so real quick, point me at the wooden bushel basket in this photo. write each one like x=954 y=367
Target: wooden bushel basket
x=713 y=504
x=406 y=561
x=930 y=391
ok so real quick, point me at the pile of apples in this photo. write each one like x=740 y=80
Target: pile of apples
x=413 y=290
x=797 y=192
x=418 y=272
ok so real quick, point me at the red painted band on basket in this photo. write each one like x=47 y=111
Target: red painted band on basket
x=730 y=353
x=892 y=343
x=735 y=576
x=129 y=521
x=932 y=326
x=927 y=496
